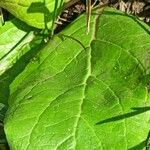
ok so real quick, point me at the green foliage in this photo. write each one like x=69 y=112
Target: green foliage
x=78 y=91
x=37 y=13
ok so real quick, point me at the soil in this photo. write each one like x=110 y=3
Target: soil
x=74 y=8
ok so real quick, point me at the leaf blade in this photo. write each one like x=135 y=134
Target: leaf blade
x=73 y=90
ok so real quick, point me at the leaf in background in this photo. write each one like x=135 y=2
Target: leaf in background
x=85 y=96
x=17 y=43
x=11 y=41
x=37 y=13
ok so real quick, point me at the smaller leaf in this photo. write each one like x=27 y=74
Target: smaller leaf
x=14 y=43
x=18 y=44
x=37 y=13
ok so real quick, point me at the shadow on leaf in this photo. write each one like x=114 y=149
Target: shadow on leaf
x=144 y=144
x=40 y=7
x=137 y=111
x=139 y=146
x=11 y=73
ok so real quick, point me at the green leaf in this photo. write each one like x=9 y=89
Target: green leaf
x=86 y=92
x=37 y=13
x=18 y=43
x=13 y=38
x=16 y=48
x=9 y=53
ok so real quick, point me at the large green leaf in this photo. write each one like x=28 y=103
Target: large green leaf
x=85 y=92
x=37 y=13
